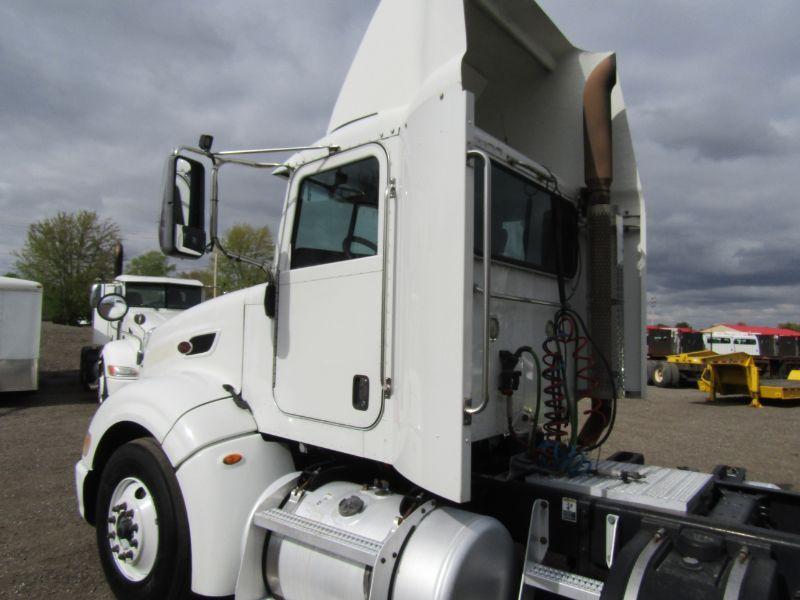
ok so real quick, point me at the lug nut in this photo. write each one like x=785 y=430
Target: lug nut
x=115 y=549
x=128 y=514
x=112 y=520
x=111 y=535
x=133 y=544
x=126 y=555
x=134 y=528
x=119 y=507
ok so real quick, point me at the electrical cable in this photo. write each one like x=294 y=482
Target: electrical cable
x=607 y=366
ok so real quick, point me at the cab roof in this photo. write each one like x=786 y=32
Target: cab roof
x=165 y=280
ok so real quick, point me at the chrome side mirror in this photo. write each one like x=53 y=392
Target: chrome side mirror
x=182 y=228
x=94 y=294
x=112 y=307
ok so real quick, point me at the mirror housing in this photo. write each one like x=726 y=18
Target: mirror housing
x=181 y=231
x=112 y=307
x=94 y=295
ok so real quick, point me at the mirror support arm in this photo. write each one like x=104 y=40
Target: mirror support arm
x=221 y=158
x=214 y=201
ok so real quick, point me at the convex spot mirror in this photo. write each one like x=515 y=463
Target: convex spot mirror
x=181 y=231
x=112 y=307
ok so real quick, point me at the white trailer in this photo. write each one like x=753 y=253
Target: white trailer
x=366 y=424
x=20 y=329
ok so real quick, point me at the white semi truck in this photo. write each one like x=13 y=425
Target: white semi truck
x=395 y=412
x=112 y=360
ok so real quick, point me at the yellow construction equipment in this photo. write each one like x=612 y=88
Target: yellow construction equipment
x=680 y=368
x=737 y=374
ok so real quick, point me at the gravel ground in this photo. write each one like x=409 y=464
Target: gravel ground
x=47 y=551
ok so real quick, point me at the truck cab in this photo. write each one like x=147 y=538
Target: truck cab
x=149 y=301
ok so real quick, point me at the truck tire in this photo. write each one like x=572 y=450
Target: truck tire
x=102 y=382
x=662 y=374
x=141 y=525
x=674 y=375
x=651 y=366
x=88 y=367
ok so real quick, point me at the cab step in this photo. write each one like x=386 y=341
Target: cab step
x=560 y=582
x=317 y=535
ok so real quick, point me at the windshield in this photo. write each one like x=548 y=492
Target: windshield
x=159 y=295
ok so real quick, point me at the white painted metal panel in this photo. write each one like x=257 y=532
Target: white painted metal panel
x=330 y=322
x=219 y=499
x=433 y=289
x=20 y=328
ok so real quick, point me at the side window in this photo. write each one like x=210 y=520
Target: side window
x=524 y=221
x=337 y=215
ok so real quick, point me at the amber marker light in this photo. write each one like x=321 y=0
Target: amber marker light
x=232 y=459
x=87 y=443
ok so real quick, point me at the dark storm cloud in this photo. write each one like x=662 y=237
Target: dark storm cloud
x=94 y=94
x=712 y=91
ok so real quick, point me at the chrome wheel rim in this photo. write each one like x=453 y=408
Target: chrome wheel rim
x=132 y=529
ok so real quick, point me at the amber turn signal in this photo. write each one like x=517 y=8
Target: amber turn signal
x=232 y=459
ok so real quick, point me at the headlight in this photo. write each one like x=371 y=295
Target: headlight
x=120 y=371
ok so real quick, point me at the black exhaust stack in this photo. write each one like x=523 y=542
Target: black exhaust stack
x=118 y=259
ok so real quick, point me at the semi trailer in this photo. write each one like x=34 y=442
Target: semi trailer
x=20 y=328
x=413 y=402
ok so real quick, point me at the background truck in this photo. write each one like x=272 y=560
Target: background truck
x=399 y=410
x=150 y=301
x=20 y=328
x=678 y=356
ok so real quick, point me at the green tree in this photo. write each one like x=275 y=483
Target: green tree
x=66 y=253
x=206 y=276
x=790 y=325
x=244 y=240
x=151 y=263
x=683 y=324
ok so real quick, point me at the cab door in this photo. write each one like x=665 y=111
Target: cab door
x=328 y=363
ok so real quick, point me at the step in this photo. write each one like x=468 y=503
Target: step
x=336 y=541
x=562 y=583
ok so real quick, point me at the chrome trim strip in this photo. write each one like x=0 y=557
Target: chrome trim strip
x=479 y=290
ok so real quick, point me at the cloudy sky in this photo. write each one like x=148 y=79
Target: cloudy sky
x=94 y=94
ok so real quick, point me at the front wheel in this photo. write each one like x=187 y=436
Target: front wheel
x=142 y=532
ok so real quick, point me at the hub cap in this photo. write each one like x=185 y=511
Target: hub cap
x=133 y=529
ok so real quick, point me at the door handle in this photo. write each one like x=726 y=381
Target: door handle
x=360 y=392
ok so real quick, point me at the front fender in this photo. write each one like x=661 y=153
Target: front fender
x=154 y=404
